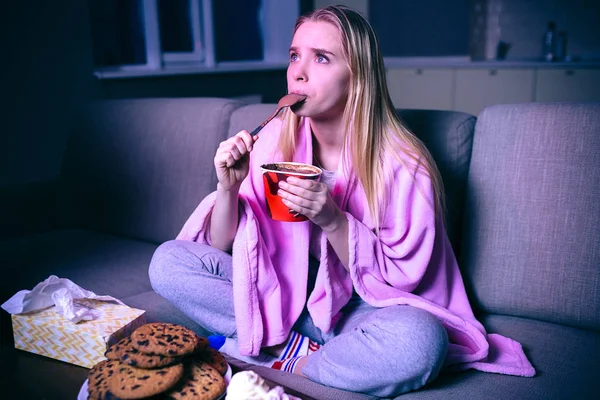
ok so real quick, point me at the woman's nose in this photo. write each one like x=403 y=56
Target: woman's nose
x=298 y=72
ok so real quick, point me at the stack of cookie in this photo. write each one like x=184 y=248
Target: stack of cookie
x=159 y=361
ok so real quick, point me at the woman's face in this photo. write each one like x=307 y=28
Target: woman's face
x=318 y=70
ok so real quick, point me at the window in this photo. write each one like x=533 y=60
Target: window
x=161 y=36
x=180 y=34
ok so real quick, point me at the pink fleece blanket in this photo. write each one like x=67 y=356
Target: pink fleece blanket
x=410 y=262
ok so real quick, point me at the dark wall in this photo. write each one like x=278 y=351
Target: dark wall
x=46 y=70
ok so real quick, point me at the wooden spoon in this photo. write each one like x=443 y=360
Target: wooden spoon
x=288 y=100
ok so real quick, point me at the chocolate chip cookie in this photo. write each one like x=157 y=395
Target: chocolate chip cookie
x=213 y=358
x=167 y=339
x=98 y=377
x=129 y=382
x=127 y=354
x=200 y=382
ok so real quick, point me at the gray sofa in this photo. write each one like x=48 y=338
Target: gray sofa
x=523 y=216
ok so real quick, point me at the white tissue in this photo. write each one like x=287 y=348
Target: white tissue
x=248 y=385
x=60 y=292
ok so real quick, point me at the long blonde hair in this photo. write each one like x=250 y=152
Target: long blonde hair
x=369 y=114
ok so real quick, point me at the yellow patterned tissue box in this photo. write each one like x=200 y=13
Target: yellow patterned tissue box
x=49 y=334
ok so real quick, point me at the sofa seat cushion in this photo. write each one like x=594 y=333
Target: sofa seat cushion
x=567 y=361
x=101 y=263
x=158 y=309
x=297 y=384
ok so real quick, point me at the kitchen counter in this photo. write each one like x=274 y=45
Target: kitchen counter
x=460 y=62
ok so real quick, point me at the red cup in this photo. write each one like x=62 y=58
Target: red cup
x=276 y=172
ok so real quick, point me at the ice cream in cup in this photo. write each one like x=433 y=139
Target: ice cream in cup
x=280 y=171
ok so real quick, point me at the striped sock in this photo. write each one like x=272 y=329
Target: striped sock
x=287 y=365
x=296 y=347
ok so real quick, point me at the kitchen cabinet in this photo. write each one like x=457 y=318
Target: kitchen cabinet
x=421 y=88
x=472 y=88
x=480 y=88
x=567 y=85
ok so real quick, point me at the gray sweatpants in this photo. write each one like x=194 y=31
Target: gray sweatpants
x=379 y=351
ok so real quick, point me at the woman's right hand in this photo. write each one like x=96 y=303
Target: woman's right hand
x=232 y=159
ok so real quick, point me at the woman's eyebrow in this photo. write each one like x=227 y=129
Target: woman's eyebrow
x=315 y=50
x=322 y=51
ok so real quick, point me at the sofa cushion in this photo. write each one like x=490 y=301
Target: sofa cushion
x=567 y=361
x=249 y=117
x=449 y=137
x=158 y=309
x=532 y=245
x=301 y=385
x=447 y=134
x=139 y=167
x=104 y=264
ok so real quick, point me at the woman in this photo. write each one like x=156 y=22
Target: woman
x=371 y=277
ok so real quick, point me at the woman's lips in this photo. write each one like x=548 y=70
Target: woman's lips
x=298 y=105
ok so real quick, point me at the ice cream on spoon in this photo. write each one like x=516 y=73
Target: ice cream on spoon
x=289 y=100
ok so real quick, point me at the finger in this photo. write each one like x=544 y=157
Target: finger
x=299 y=186
x=247 y=139
x=292 y=192
x=297 y=209
x=222 y=156
x=309 y=184
x=231 y=160
x=298 y=200
x=239 y=151
x=239 y=139
x=232 y=154
x=233 y=150
x=228 y=146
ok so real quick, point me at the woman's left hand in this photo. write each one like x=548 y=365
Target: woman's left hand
x=312 y=199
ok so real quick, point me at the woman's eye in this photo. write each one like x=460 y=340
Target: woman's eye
x=293 y=57
x=320 y=58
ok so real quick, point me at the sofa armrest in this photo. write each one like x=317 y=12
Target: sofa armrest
x=26 y=209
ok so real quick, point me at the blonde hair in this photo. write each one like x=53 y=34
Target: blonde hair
x=369 y=114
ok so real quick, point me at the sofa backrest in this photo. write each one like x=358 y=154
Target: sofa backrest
x=139 y=167
x=249 y=117
x=531 y=241
x=447 y=134
x=449 y=137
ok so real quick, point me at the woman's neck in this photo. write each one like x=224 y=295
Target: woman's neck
x=327 y=143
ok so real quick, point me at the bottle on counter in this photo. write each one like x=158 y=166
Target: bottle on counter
x=560 y=52
x=550 y=42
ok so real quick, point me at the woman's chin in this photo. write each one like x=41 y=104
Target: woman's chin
x=302 y=112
